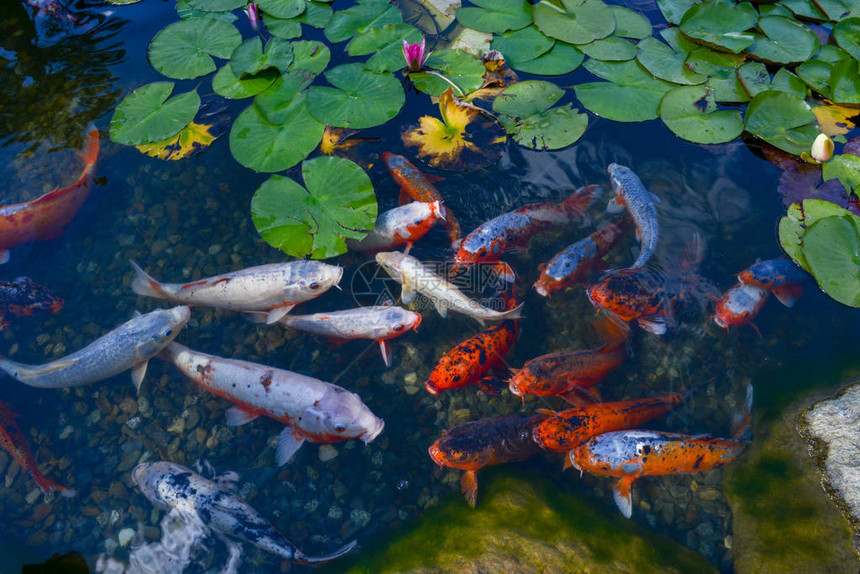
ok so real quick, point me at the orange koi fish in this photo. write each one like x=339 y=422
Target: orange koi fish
x=740 y=305
x=567 y=429
x=24 y=297
x=404 y=224
x=781 y=277
x=45 y=217
x=486 y=442
x=416 y=185
x=13 y=441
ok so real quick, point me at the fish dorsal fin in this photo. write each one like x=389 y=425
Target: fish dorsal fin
x=44 y=369
x=655 y=324
x=469 y=487
x=623 y=495
x=238 y=416
x=138 y=372
x=289 y=441
x=135 y=314
x=278 y=313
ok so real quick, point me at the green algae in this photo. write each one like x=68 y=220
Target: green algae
x=524 y=523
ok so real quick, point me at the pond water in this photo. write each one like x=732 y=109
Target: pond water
x=190 y=219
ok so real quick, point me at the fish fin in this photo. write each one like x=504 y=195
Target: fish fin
x=302 y=558
x=289 y=441
x=547 y=412
x=655 y=324
x=46 y=485
x=408 y=248
x=581 y=199
x=238 y=416
x=4 y=256
x=787 y=294
x=385 y=349
x=567 y=464
x=404 y=197
x=489 y=385
x=144 y=285
x=515 y=313
x=615 y=205
x=623 y=496
x=441 y=308
x=504 y=272
x=611 y=328
x=258 y=317
x=278 y=313
x=407 y=294
x=433 y=178
x=742 y=423
x=49 y=368
x=469 y=487
x=580 y=396
x=138 y=372
x=654 y=198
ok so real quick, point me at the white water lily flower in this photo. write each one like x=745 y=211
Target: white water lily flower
x=822 y=148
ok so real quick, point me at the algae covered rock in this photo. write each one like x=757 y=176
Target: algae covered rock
x=525 y=524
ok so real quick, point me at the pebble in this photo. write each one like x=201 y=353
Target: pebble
x=124 y=537
x=33 y=496
x=111 y=545
x=67 y=432
x=129 y=459
x=128 y=406
x=327 y=452
x=359 y=517
x=410 y=378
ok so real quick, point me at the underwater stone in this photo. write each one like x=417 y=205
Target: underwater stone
x=124 y=537
x=327 y=452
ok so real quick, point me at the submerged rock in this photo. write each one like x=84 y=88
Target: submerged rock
x=525 y=524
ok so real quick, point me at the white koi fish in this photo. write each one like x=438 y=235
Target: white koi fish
x=404 y=224
x=129 y=346
x=274 y=288
x=310 y=408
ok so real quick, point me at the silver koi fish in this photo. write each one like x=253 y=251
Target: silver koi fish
x=129 y=346
x=274 y=288
x=404 y=224
x=631 y=193
x=310 y=408
x=169 y=485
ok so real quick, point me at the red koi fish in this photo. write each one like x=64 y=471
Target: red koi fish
x=404 y=224
x=486 y=442
x=416 y=185
x=13 y=441
x=568 y=429
x=570 y=265
x=740 y=305
x=781 y=277
x=24 y=297
x=45 y=217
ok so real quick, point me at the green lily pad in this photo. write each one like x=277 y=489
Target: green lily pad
x=722 y=71
x=359 y=99
x=630 y=24
x=461 y=68
x=782 y=120
x=310 y=55
x=281 y=28
x=845 y=168
x=366 y=14
x=838 y=10
x=673 y=10
x=386 y=45
x=276 y=103
x=831 y=248
x=678 y=41
x=185 y=10
x=797 y=220
x=774 y=10
x=522 y=45
x=690 y=112
x=847 y=35
x=805 y=9
x=561 y=59
x=316 y=14
x=611 y=49
x=787 y=41
x=496 y=16
x=249 y=58
x=816 y=75
x=630 y=95
x=528 y=98
x=720 y=24
x=263 y=146
x=830 y=53
x=754 y=77
x=226 y=84
x=575 y=21
x=147 y=115
x=337 y=203
x=184 y=49
x=845 y=82
x=555 y=128
x=666 y=64
x=282 y=8
x=785 y=81
x=217 y=5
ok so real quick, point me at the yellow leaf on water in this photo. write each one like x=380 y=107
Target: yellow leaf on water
x=834 y=119
x=193 y=139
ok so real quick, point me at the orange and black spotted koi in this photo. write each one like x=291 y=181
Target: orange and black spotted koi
x=781 y=277
x=24 y=297
x=474 y=445
x=568 y=429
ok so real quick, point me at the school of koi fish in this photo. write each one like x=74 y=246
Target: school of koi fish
x=599 y=437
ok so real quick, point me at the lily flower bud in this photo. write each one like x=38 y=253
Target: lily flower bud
x=414 y=55
x=822 y=148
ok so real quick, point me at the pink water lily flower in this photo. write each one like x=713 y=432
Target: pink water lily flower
x=414 y=55
x=253 y=12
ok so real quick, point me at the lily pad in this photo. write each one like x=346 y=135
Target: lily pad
x=611 y=49
x=337 y=203
x=366 y=14
x=678 y=41
x=630 y=24
x=561 y=59
x=185 y=10
x=249 y=58
x=845 y=82
x=263 y=146
x=575 y=21
x=522 y=45
x=184 y=49
x=754 y=77
x=316 y=14
x=782 y=120
x=386 y=45
x=830 y=53
x=191 y=140
x=217 y=5
x=528 y=98
x=310 y=55
x=359 y=99
x=721 y=68
x=785 y=81
x=720 y=24
x=226 y=84
x=281 y=28
x=458 y=67
x=690 y=112
x=673 y=10
x=805 y=9
x=496 y=16
x=838 y=10
x=845 y=168
x=147 y=115
x=835 y=120
x=831 y=248
x=786 y=41
x=666 y=64
x=816 y=75
x=526 y=111
x=282 y=8
x=798 y=219
x=276 y=103
x=630 y=95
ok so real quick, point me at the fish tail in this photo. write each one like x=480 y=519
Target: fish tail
x=303 y=558
x=47 y=485
x=742 y=423
x=91 y=147
x=144 y=285
x=515 y=313
x=581 y=199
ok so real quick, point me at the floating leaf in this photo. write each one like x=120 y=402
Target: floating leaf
x=527 y=98
x=783 y=120
x=722 y=71
x=834 y=120
x=217 y=5
x=576 y=21
x=386 y=45
x=673 y=10
x=678 y=41
x=845 y=168
x=831 y=248
x=774 y=10
x=720 y=24
x=803 y=181
x=630 y=24
x=496 y=16
x=611 y=49
x=798 y=219
x=522 y=45
x=466 y=138
x=248 y=58
x=184 y=49
x=754 y=78
x=458 y=67
x=845 y=82
x=280 y=28
x=276 y=103
x=816 y=75
x=561 y=59
x=193 y=139
x=359 y=99
x=690 y=112
x=785 y=81
x=805 y=9
x=282 y=8
x=337 y=203
x=317 y=14
x=630 y=95
x=837 y=10
x=666 y=64
x=226 y=84
x=310 y=55
x=787 y=41
x=830 y=53
x=526 y=111
x=184 y=10
x=147 y=115
x=366 y=14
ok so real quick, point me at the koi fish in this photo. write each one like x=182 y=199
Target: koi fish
x=740 y=305
x=24 y=297
x=416 y=185
x=379 y=323
x=474 y=445
x=414 y=278
x=570 y=265
x=15 y=443
x=568 y=429
x=274 y=288
x=309 y=408
x=631 y=193
x=172 y=486
x=45 y=217
x=782 y=277
x=404 y=224
x=129 y=346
